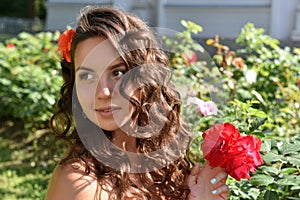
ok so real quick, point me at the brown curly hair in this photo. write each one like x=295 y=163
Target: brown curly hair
x=135 y=39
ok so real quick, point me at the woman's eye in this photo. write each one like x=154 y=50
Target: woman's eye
x=118 y=73
x=86 y=76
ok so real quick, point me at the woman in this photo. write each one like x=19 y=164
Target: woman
x=120 y=114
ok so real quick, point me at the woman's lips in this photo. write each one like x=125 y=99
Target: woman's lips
x=107 y=110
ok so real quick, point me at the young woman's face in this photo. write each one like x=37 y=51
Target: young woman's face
x=98 y=70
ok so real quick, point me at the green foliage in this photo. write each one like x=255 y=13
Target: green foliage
x=29 y=86
x=278 y=70
x=183 y=44
x=30 y=78
x=256 y=89
x=26 y=161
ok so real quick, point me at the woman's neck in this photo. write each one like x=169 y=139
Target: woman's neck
x=124 y=141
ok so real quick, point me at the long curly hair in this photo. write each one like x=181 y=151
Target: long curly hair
x=137 y=46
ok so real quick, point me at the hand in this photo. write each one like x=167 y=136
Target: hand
x=208 y=183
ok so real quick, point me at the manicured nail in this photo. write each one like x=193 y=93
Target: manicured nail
x=213 y=180
x=214 y=192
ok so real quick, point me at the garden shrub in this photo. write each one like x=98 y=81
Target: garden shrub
x=29 y=86
x=277 y=70
x=30 y=78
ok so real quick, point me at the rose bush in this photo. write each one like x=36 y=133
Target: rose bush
x=256 y=89
x=30 y=78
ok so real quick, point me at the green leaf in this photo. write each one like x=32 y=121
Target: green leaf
x=290 y=148
x=288 y=181
x=272 y=170
x=266 y=145
x=295 y=187
x=5 y=81
x=197 y=47
x=254 y=192
x=259 y=97
x=271 y=195
x=289 y=170
x=272 y=157
x=261 y=179
x=184 y=23
x=257 y=113
x=294 y=160
x=194 y=27
x=257 y=122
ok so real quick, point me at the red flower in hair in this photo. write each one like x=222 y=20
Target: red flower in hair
x=64 y=44
x=224 y=146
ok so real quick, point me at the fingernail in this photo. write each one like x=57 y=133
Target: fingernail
x=214 y=192
x=213 y=180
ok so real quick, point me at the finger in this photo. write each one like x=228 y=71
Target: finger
x=196 y=169
x=220 y=190
x=219 y=177
x=193 y=175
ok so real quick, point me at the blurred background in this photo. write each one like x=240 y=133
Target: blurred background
x=279 y=18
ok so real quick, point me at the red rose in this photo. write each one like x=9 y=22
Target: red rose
x=299 y=81
x=64 y=44
x=244 y=157
x=215 y=142
x=10 y=46
x=224 y=146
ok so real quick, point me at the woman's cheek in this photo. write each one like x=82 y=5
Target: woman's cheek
x=86 y=97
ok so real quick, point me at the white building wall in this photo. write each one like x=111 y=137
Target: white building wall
x=279 y=18
x=63 y=13
x=296 y=30
x=283 y=18
x=225 y=22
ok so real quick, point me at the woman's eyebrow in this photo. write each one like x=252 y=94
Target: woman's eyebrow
x=84 y=68
x=117 y=65
x=110 y=67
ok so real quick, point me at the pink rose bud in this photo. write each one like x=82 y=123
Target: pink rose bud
x=205 y=107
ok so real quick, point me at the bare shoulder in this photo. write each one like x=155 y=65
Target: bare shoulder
x=71 y=182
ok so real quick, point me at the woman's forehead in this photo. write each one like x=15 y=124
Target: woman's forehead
x=95 y=51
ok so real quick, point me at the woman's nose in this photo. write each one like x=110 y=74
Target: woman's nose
x=103 y=88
